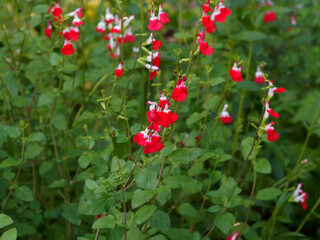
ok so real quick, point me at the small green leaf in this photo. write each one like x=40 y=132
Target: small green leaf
x=251 y=36
x=35 y=21
x=46 y=99
x=85 y=160
x=161 y=221
x=45 y=167
x=33 y=149
x=5 y=220
x=104 y=222
x=24 y=193
x=267 y=194
x=187 y=210
x=55 y=59
x=11 y=234
x=140 y=197
x=36 y=137
x=262 y=166
x=194 y=117
x=216 y=81
x=12 y=132
x=146 y=179
x=58 y=183
x=225 y=222
x=144 y=213
x=9 y=162
x=59 y=121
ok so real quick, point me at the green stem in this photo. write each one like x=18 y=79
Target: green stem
x=18 y=173
x=243 y=94
x=306 y=218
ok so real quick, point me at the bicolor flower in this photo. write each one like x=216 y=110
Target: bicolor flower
x=154 y=23
x=179 y=93
x=258 y=77
x=233 y=236
x=67 y=48
x=56 y=11
x=274 y=89
x=163 y=100
x=235 y=73
x=109 y=17
x=118 y=71
x=269 y=16
x=48 y=30
x=153 y=144
x=101 y=27
x=128 y=36
x=220 y=13
x=74 y=33
x=162 y=16
x=127 y=20
x=206 y=8
x=225 y=116
x=208 y=23
x=272 y=135
x=300 y=196
x=268 y=111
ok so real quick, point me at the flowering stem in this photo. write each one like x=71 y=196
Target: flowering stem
x=295 y=169
x=306 y=218
x=225 y=91
x=201 y=208
x=243 y=94
x=251 y=196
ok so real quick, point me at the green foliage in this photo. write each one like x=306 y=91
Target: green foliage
x=67 y=125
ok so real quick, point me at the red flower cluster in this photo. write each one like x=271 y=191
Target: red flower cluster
x=56 y=11
x=269 y=16
x=179 y=93
x=219 y=15
x=204 y=47
x=156 y=23
x=235 y=73
x=300 y=196
x=69 y=33
x=225 y=116
x=153 y=58
x=159 y=115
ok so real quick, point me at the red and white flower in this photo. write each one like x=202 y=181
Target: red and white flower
x=48 y=30
x=67 y=48
x=272 y=135
x=220 y=13
x=74 y=33
x=179 y=93
x=269 y=111
x=269 y=16
x=101 y=27
x=300 y=196
x=204 y=47
x=127 y=20
x=56 y=11
x=162 y=16
x=109 y=17
x=272 y=89
x=154 y=23
x=235 y=73
x=233 y=236
x=118 y=70
x=225 y=116
x=258 y=77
